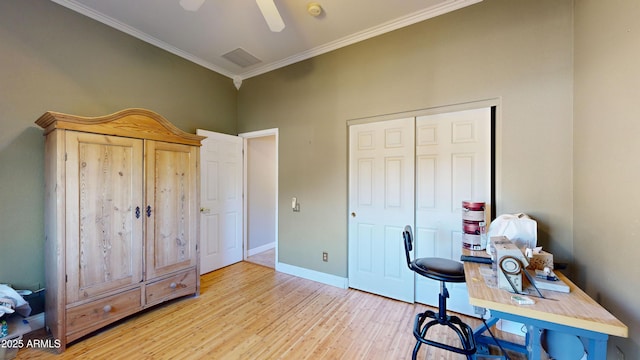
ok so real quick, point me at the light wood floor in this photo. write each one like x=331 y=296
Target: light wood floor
x=265 y=258
x=248 y=311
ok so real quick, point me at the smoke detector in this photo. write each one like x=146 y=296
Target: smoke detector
x=314 y=9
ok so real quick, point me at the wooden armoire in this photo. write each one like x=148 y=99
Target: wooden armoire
x=121 y=217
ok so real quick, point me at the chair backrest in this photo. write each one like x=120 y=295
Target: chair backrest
x=407 y=234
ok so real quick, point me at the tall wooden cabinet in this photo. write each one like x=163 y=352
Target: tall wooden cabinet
x=121 y=217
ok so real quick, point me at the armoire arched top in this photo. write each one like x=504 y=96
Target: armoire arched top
x=133 y=123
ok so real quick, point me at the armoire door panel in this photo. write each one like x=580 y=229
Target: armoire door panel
x=104 y=236
x=171 y=207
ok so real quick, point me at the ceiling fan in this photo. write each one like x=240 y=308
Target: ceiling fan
x=267 y=8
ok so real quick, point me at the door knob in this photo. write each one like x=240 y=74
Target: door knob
x=353 y=214
x=205 y=210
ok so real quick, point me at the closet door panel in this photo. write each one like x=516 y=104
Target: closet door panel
x=381 y=203
x=104 y=231
x=171 y=193
x=453 y=163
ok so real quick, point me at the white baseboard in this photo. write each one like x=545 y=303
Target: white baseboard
x=260 y=249
x=313 y=275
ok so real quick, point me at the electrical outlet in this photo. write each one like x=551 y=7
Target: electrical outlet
x=619 y=354
x=325 y=256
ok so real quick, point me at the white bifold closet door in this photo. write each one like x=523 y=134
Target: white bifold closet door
x=453 y=164
x=381 y=203
x=414 y=171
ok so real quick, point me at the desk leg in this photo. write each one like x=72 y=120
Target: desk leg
x=533 y=342
x=597 y=349
x=596 y=343
x=484 y=341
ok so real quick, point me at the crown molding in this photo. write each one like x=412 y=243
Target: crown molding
x=80 y=8
x=363 y=35
x=395 y=24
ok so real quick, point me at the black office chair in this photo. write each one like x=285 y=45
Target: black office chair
x=443 y=270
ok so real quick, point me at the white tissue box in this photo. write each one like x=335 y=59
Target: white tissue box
x=541 y=260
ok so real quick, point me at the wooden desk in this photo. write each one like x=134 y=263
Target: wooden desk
x=575 y=313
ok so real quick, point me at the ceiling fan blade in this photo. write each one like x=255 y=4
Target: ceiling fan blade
x=191 y=5
x=271 y=15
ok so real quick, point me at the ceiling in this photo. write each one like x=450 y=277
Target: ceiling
x=222 y=26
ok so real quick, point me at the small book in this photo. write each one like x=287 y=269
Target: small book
x=553 y=285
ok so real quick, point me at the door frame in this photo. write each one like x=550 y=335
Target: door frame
x=246 y=137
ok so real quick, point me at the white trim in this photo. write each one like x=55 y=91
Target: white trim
x=95 y=15
x=261 y=249
x=469 y=105
x=383 y=28
x=313 y=275
x=259 y=133
x=246 y=136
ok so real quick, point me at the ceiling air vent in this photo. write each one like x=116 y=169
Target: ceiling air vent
x=241 y=58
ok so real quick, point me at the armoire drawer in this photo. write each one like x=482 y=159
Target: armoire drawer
x=98 y=313
x=181 y=284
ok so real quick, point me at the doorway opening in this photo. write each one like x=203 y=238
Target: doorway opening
x=261 y=197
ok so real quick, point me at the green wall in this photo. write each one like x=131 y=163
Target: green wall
x=54 y=59
x=574 y=174
x=519 y=52
x=606 y=171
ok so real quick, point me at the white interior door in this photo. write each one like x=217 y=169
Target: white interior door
x=221 y=221
x=453 y=164
x=381 y=203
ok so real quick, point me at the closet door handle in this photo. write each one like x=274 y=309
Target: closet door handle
x=148 y=210
x=137 y=212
